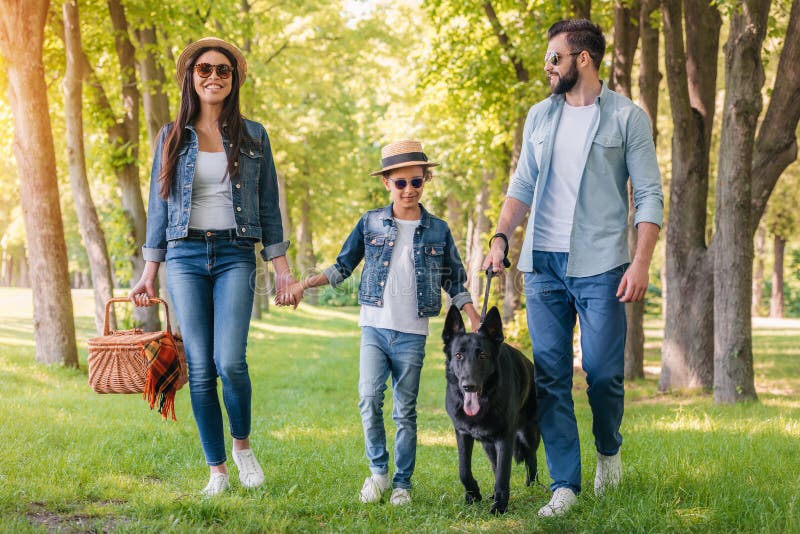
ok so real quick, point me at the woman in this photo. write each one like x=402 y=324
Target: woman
x=213 y=194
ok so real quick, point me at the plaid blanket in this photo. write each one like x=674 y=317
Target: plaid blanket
x=162 y=375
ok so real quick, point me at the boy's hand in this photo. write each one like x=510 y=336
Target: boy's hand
x=290 y=295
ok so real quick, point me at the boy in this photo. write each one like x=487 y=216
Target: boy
x=409 y=257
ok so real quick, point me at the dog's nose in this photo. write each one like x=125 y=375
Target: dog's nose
x=469 y=388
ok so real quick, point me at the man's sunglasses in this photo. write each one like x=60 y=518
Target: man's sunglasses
x=204 y=70
x=553 y=58
x=401 y=183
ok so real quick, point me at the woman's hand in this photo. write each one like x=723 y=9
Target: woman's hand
x=145 y=288
x=290 y=295
x=283 y=281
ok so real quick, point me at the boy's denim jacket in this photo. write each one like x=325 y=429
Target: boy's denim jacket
x=254 y=191
x=436 y=261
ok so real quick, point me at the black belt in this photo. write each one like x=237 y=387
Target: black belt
x=194 y=233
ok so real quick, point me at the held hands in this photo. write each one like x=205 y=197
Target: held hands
x=291 y=295
x=634 y=283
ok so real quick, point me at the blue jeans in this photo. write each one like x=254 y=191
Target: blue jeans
x=210 y=283
x=553 y=300
x=382 y=352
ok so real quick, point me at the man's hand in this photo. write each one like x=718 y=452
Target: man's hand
x=634 y=283
x=496 y=256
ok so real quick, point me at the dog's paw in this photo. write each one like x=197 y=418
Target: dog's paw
x=472 y=496
x=498 y=508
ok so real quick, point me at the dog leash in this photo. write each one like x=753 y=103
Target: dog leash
x=491 y=274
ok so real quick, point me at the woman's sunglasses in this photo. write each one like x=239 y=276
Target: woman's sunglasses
x=401 y=183
x=204 y=70
x=553 y=58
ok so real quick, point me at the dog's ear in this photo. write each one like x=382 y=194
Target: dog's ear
x=492 y=326
x=453 y=325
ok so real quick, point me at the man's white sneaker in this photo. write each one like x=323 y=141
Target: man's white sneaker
x=373 y=486
x=250 y=473
x=608 y=474
x=400 y=496
x=562 y=500
x=218 y=483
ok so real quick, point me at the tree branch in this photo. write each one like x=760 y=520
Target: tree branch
x=505 y=42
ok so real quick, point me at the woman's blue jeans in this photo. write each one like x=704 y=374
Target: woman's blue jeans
x=210 y=283
x=553 y=301
x=385 y=352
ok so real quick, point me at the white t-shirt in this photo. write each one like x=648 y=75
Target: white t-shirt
x=212 y=204
x=399 y=311
x=553 y=223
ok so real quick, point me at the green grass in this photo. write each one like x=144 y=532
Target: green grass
x=75 y=461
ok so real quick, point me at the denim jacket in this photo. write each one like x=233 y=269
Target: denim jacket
x=619 y=145
x=436 y=261
x=254 y=191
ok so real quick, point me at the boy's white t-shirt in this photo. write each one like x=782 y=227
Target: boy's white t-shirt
x=553 y=223
x=399 y=311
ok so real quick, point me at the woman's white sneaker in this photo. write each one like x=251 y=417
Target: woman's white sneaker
x=400 y=496
x=250 y=473
x=562 y=500
x=217 y=483
x=373 y=486
x=608 y=474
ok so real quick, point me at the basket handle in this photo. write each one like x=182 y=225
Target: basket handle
x=109 y=302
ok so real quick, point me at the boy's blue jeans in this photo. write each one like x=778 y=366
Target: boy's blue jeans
x=385 y=352
x=553 y=300
x=209 y=281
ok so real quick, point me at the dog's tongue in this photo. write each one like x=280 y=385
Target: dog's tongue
x=471 y=405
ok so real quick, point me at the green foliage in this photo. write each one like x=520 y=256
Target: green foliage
x=344 y=295
x=113 y=465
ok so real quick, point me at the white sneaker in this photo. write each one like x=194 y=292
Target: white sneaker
x=562 y=500
x=250 y=473
x=400 y=496
x=373 y=486
x=608 y=474
x=217 y=483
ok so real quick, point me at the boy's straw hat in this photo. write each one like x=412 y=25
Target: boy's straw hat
x=404 y=153
x=182 y=65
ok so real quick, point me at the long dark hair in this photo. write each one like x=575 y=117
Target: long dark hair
x=229 y=123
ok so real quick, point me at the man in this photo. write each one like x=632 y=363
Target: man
x=579 y=147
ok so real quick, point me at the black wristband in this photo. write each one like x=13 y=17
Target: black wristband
x=506 y=263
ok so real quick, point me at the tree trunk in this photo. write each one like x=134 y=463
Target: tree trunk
x=154 y=94
x=758 y=275
x=124 y=138
x=733 y=265
x=480 y=227
x=91 y=232
x=626 y=37
x=21 y=41
x=776 y=299
x=582 y=9
x=306 y=262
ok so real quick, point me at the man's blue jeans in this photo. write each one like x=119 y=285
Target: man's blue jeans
x=383 y=352
x=553 y=300
x=209 y=281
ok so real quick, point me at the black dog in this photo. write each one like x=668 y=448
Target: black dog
x=490 y=397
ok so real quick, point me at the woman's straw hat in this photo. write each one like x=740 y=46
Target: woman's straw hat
x=182 y=66
x=404 y=153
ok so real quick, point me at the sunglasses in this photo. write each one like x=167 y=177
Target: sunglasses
x=401 y=183
x=552 y=57
x=204 y=70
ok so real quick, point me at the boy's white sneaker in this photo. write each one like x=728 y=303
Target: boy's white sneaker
x=400 y=496
x=608 y=474
x=373 y=486
x=250 y=473
x=217 y=483
x=562 y=500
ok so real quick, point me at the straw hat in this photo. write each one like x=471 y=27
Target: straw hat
x=404 y=153
x=182 y=66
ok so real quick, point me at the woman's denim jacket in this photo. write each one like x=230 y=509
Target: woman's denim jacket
x=254 y=191
x=436 y=261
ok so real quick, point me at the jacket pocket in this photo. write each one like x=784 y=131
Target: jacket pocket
x=373 y=246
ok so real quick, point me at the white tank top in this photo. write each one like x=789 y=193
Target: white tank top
x=212 y=204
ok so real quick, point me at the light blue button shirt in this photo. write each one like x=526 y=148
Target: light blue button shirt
x=621 y=145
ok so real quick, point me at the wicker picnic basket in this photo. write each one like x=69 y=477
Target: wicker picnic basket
x=117 y=363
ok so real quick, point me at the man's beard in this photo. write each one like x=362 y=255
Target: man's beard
x=566 y=81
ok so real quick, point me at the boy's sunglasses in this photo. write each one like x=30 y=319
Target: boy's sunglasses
x=552 y=57
x=204 y=70
x=401 y=183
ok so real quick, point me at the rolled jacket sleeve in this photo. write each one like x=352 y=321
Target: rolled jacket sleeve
x=155 y=244
x=648 y=197
x=269 y=206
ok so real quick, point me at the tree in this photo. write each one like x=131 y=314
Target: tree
x=91 y=232
x=54 y=329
